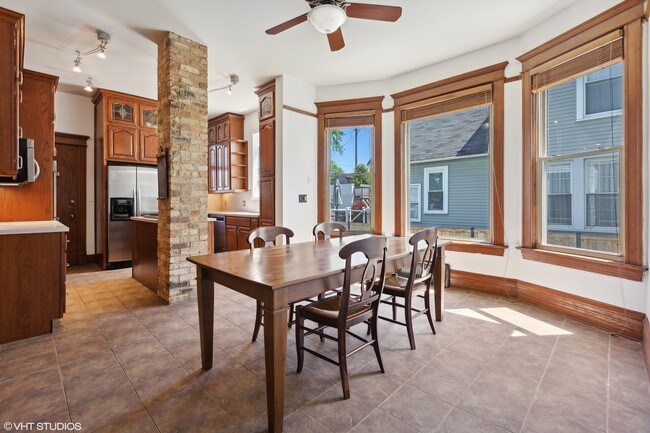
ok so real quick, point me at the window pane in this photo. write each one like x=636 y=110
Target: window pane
x=449 y=159
x=580 y=192
x=603 y=96
x=414 y=199
x=567 y=131
x=351 y=177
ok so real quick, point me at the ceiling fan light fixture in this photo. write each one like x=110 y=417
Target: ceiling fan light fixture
x=327 y=18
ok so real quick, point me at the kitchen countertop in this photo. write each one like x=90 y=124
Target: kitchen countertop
x=234 y=213
x=30 y=227
x=145 y=220
x=155 y=220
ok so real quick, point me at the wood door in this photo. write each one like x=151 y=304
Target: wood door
x=71 y=197
x=148 y=146
x=231 y=237
x=212 y=168
x=122 y=143
x=267 y=148
x=267 y=201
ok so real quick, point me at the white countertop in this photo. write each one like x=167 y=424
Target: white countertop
x=30 y=227
x=145 y=220
x=155 y=220
x=234 y=213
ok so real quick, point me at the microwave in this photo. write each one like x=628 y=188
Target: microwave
x=28 y=168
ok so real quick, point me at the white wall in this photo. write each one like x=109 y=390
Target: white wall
x=75 y=115
x=616 y=291
x=296 y=157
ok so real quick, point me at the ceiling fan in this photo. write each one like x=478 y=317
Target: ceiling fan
x=327 y=16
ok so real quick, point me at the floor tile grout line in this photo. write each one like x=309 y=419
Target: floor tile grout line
x=539 y=384
x=120 y=363
x=65 y=394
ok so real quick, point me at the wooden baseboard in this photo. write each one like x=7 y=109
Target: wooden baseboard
x=621 y=321
x=646 y=340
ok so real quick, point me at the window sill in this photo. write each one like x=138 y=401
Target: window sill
x=476 y=248
x=589 y=264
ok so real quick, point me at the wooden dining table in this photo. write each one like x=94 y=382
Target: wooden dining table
x=278 y=276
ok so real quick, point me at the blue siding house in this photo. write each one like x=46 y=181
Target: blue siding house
x=449 y=172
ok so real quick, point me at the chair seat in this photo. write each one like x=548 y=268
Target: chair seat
x=328 y=309
x=396 y=286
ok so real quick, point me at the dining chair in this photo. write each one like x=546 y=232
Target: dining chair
x=413 y=282
x=326 y=229
x=349 y=309
x=268 y=236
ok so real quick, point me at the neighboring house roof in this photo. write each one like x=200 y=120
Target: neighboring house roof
x=457 y=134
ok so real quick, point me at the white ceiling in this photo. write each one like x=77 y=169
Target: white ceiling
x=429 y=31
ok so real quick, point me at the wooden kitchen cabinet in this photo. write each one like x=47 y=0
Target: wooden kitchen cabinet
x=237 y=231
x=129 y=124
x=227 y=154
x=122 y=143
x=29 y=301
x=126 y=130
x=148 y=146
x=12 y=42
x=266 y=96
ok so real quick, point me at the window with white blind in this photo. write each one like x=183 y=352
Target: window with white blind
x=559 y=206
x=599 y=94
x=602 y=192
x=415 y=194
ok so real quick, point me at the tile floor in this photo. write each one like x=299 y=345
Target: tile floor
x=121 y=361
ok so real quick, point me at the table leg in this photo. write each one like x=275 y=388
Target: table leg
x=205 y=296
x=439 y=283
x=275 y=350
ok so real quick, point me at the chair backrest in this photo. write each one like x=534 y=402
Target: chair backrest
x=372 y=279
x=423 y=260
x=327 y=228
x=268 y=235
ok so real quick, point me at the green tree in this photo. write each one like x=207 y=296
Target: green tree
x=361 y=180
x=336 y=141
x=335 y=169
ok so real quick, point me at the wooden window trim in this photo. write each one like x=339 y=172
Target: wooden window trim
x=349 y=108
x=625 y=16
x=493 y=75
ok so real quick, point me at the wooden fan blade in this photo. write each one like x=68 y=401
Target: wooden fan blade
x=287 y=25
x=336 y=40
x=373 y=12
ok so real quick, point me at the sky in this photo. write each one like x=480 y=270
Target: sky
x=346 y=161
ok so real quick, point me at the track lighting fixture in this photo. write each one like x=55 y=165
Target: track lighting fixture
x=103 y=38
x=89 y=85
x=234 y=79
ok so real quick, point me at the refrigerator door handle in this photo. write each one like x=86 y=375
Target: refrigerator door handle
x=135 y=203
x=139 y=203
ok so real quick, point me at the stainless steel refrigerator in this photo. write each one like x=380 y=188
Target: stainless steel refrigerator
x=132 y=191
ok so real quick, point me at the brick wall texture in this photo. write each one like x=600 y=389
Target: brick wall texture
x=183 y=133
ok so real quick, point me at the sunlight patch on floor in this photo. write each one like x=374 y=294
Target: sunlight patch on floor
x=516 y=333
x=524 y=321
x=468 y=312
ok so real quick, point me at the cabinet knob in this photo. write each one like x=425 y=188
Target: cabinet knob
x=71 y=201
x=71 y=216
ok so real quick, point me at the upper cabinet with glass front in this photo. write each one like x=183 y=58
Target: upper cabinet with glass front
x=228 y=154
x=130 y=126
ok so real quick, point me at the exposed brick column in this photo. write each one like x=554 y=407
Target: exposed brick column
x=183 y=132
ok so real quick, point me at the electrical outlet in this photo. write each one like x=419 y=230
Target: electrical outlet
x=225 y=203
x=243 y=203
x=302 y=198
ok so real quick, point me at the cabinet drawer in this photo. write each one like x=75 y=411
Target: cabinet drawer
x=238 y=221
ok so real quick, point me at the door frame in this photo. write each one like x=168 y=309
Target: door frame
x=65 y=138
